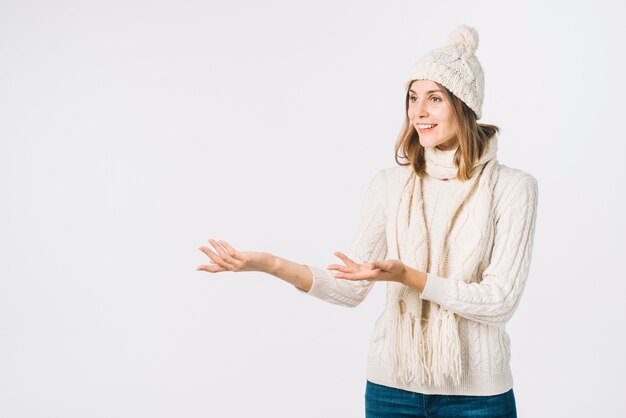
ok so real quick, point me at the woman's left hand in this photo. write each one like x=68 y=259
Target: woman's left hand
x=387 y=270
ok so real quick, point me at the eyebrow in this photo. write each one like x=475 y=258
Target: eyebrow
x=428 y=92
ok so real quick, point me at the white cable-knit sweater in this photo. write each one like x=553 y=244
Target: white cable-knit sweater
x=484 y=305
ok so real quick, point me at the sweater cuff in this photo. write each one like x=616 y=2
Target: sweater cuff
x=436 y=289
x=322 y=279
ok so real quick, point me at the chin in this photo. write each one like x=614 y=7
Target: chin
x=428 y=144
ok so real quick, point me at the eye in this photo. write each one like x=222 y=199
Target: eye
x=437 y=99
x=412 y=98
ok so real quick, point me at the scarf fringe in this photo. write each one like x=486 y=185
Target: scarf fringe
x=412 y=335
x=446 y=355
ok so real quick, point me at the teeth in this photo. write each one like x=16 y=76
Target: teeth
x=425 y=126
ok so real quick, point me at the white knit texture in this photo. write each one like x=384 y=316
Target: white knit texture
x=456 y=67
x=369 y=243
x=484 y=305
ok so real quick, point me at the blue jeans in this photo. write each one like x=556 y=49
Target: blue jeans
x=386 y=402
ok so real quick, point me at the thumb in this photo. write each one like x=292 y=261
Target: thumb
x=381 y=265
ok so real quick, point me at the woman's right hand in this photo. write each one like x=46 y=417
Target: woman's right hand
x=229 y=259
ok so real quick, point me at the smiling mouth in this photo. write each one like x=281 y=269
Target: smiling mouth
x=422 y=127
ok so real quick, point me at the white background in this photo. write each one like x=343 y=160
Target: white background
x=133 y=131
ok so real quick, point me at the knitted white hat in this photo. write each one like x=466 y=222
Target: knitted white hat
x=456 y=67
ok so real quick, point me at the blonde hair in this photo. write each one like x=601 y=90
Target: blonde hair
x=473 y=138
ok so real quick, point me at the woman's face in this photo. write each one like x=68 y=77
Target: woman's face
x=431 y=116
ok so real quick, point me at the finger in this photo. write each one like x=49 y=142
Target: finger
x=229 y=249
x=362 y=275
x=352 y=274
x=382 y=265
x=376 y=265
x=215 y=258
x=224 y=255
x=232 y=255
x=346 y=260
x=211 y=268
x=343 y=269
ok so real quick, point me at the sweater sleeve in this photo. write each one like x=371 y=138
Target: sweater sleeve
x=368 y=244
x=495 y=298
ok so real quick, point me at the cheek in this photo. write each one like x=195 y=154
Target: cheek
x=440 y=113
x=445 y=118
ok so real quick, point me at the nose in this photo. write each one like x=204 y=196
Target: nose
x=419 y=109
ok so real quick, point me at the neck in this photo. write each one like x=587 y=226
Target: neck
x=440 y=161
x=448 y=148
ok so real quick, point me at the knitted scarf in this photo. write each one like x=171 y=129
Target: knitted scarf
x=425 y=336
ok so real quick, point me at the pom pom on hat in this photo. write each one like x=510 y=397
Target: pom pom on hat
x=465 y=37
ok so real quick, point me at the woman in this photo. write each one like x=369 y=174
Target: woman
x=451 y=231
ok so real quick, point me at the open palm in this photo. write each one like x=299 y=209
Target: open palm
x=386 y=270
x=226 y=258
